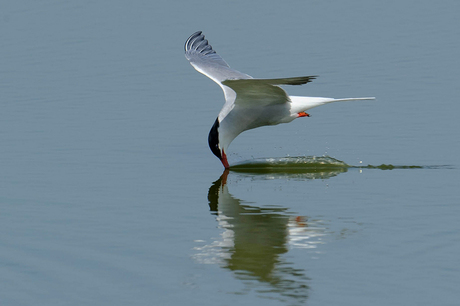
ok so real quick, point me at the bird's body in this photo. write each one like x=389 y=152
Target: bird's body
x=249 y=102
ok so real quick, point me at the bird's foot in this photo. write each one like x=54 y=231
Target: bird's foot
x=303 y=114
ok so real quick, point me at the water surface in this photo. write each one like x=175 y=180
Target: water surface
x=109 y=194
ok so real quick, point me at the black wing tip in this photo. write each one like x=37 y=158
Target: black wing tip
x=189 y=42
x=300 y=80
x=197 y=43
x=194 y=41
x=284 y=81
x=197 y=48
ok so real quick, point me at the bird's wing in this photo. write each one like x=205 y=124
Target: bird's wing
x=263 y=92
x=283 y=81
x=205 y=60
x=238 y=87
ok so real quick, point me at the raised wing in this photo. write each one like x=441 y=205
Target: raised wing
x=263 y=92
x=283 y=81
x=238 y=87
x=205 y=60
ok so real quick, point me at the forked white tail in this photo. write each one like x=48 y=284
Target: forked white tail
x=352 y=99
x=301 y=104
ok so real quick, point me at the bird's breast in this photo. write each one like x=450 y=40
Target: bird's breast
x=245 y=118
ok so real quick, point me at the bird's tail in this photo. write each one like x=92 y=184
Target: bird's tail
x=301 y=104
x=351 y=99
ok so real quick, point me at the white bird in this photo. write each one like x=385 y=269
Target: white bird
x=249 y=102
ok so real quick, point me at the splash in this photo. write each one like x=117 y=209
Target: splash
x=319 y=163
x=312 y=167
x=311 y=163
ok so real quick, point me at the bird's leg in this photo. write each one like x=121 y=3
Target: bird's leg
x=303 y=114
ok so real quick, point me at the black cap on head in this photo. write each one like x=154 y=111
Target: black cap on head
x=213 y=139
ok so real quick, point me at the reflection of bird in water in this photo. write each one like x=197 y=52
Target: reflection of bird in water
x=259 y=234
x=254 y=240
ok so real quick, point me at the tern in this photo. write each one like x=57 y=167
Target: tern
x=249 y=103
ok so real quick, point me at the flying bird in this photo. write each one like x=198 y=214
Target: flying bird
x=249 y=103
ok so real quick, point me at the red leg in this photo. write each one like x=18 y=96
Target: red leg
x=303 y=114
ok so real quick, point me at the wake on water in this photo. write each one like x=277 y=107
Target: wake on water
x=310 y=164
x=300 y=167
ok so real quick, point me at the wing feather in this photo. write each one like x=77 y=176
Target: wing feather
x=205 y=60
x=283 y=81
x=239 y=88
x=263 y=92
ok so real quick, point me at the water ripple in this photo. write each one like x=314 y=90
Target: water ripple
x=320 y=165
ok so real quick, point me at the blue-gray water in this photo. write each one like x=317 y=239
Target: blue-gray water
x=109 y=194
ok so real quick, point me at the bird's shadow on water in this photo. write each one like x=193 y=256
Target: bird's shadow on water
x=254 y=238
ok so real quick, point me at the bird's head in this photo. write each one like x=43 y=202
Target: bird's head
x=215 y=144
